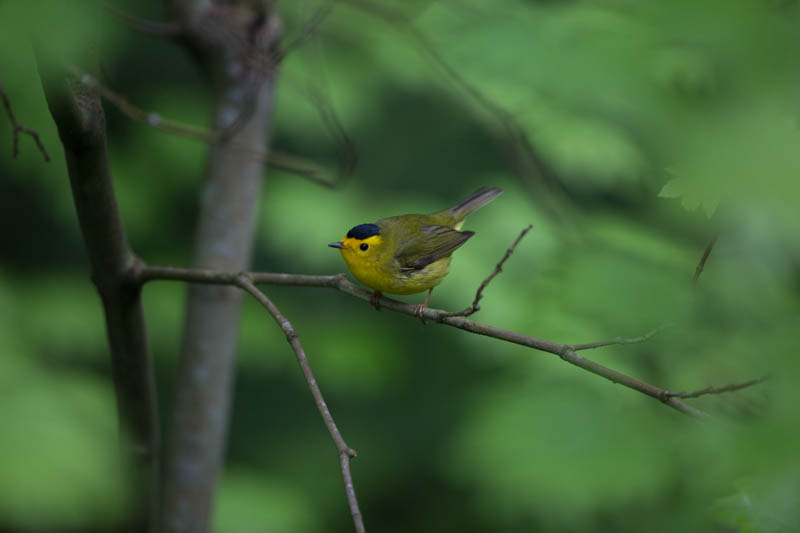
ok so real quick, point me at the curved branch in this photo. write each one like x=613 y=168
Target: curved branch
x=288 y=162
x=346 y=453
x=142 y=273
x=339 y=282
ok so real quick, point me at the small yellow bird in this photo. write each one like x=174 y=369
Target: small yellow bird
x=408 y=254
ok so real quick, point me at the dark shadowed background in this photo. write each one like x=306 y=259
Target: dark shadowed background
x=660 y=123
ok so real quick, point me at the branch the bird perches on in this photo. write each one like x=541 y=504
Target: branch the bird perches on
x=143 y=273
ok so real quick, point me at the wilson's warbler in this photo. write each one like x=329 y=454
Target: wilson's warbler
x=408 y=254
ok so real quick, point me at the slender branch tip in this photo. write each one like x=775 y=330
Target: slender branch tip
x=474 y=307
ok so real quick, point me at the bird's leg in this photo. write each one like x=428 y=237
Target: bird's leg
x=375 y=300
x=418 y=309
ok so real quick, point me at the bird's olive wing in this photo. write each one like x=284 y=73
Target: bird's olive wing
x=430 y=244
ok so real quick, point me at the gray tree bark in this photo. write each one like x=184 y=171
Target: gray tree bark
x=234 y=44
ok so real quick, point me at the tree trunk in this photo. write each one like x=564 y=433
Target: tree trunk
x=234 y=45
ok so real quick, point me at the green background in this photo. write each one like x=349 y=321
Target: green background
x=663 y=122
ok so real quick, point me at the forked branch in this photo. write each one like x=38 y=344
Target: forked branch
x=339 y=282
x=19 y=128
x=142 y=273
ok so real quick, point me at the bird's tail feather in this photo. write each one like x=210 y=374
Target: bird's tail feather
x=478 y=199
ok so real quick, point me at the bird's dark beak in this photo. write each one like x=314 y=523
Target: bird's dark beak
x=336 y=245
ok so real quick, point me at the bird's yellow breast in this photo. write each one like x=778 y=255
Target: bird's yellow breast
x=384 y=275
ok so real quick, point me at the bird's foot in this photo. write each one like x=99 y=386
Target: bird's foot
x=418 y=311
x=375 y=300
x=421 y=307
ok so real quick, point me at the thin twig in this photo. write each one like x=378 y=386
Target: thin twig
x=525 y=158
x=716 y=390
x=18 y=128
x=620 y=340
x=307 y=29
x=706 y=253
x=348 y=155
x=245 y=282
x=143 y=273
x=155 y=120
x=141 y=25
x=497 y=269
x=276 y=159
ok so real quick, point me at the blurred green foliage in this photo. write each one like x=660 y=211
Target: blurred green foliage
x=643 y=108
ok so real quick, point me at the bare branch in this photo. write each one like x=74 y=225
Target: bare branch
x=346 y=453
x=497 y=269
x=18 y=128
x=142 y=273
x=155 y=120
x=339 y=282
x=706 y=253
x=276 y=159
x=147 y=27
x=716 y=390
x=620 y=340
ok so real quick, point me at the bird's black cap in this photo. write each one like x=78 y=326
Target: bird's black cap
x=362 y=231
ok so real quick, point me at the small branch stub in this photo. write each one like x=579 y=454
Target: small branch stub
x=620 y=340
x=706 y=253
x=715 y=390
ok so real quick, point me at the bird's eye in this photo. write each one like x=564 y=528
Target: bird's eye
x=364 y=247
